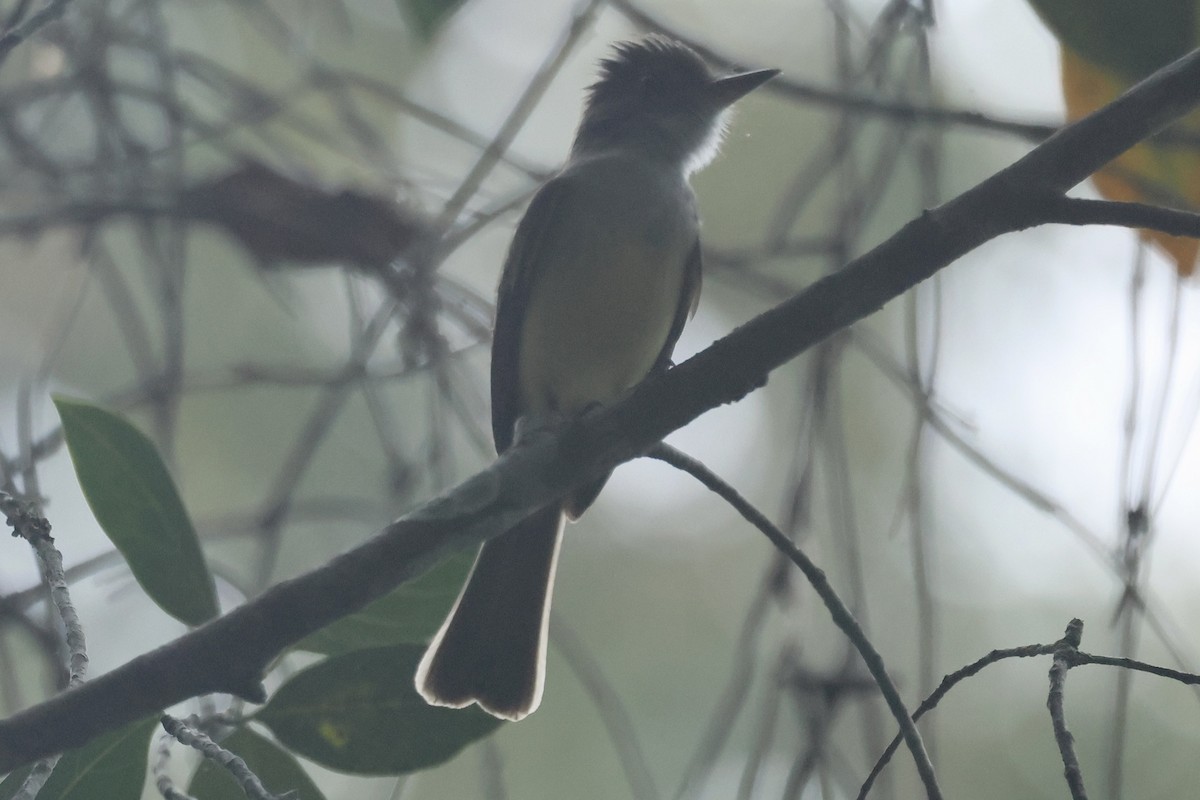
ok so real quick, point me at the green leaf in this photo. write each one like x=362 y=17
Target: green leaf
x=110 y=766
x=135 y=501
x=409 y=615
x=275 y=767
x=428 y=15
x=359 y=713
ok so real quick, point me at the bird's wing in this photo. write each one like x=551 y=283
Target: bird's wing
x=689 y=298
x=523 y=260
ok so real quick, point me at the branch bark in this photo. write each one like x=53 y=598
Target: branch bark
x=229 y=654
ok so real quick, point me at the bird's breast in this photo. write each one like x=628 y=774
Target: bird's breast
x=604 y=299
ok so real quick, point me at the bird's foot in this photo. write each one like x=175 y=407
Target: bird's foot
x=531 y=427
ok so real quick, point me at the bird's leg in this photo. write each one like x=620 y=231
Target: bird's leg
x=534 y=425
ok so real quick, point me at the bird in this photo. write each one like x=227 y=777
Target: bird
x=602 y=273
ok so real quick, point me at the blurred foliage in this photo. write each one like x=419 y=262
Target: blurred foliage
x=1130 y=40
x=278 y=218
x=1107 y=46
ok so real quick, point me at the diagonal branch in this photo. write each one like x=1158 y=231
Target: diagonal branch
x=229 y=654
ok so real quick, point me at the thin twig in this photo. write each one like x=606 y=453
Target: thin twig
x=949 y=682
x=1054 y=701
x=28 y=523
x=841 y=615
x=1079 y=659
x=187 y=734
x=1085 y=211
x=159 y=766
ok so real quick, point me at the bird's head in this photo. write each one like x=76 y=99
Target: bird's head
x=658 y=95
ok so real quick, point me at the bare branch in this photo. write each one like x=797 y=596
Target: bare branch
x=1081 y=211
x=1058 y=679
x=185 y=732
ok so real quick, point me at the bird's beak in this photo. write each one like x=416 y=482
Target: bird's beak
x=728 y=90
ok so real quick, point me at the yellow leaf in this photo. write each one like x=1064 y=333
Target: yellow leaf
x=1158 y=173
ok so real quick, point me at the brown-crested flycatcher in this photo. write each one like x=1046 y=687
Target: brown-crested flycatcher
x=601 y=275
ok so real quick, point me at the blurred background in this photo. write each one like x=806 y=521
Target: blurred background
x=270 y=233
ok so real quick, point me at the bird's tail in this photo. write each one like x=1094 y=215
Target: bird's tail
x=491 y=649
